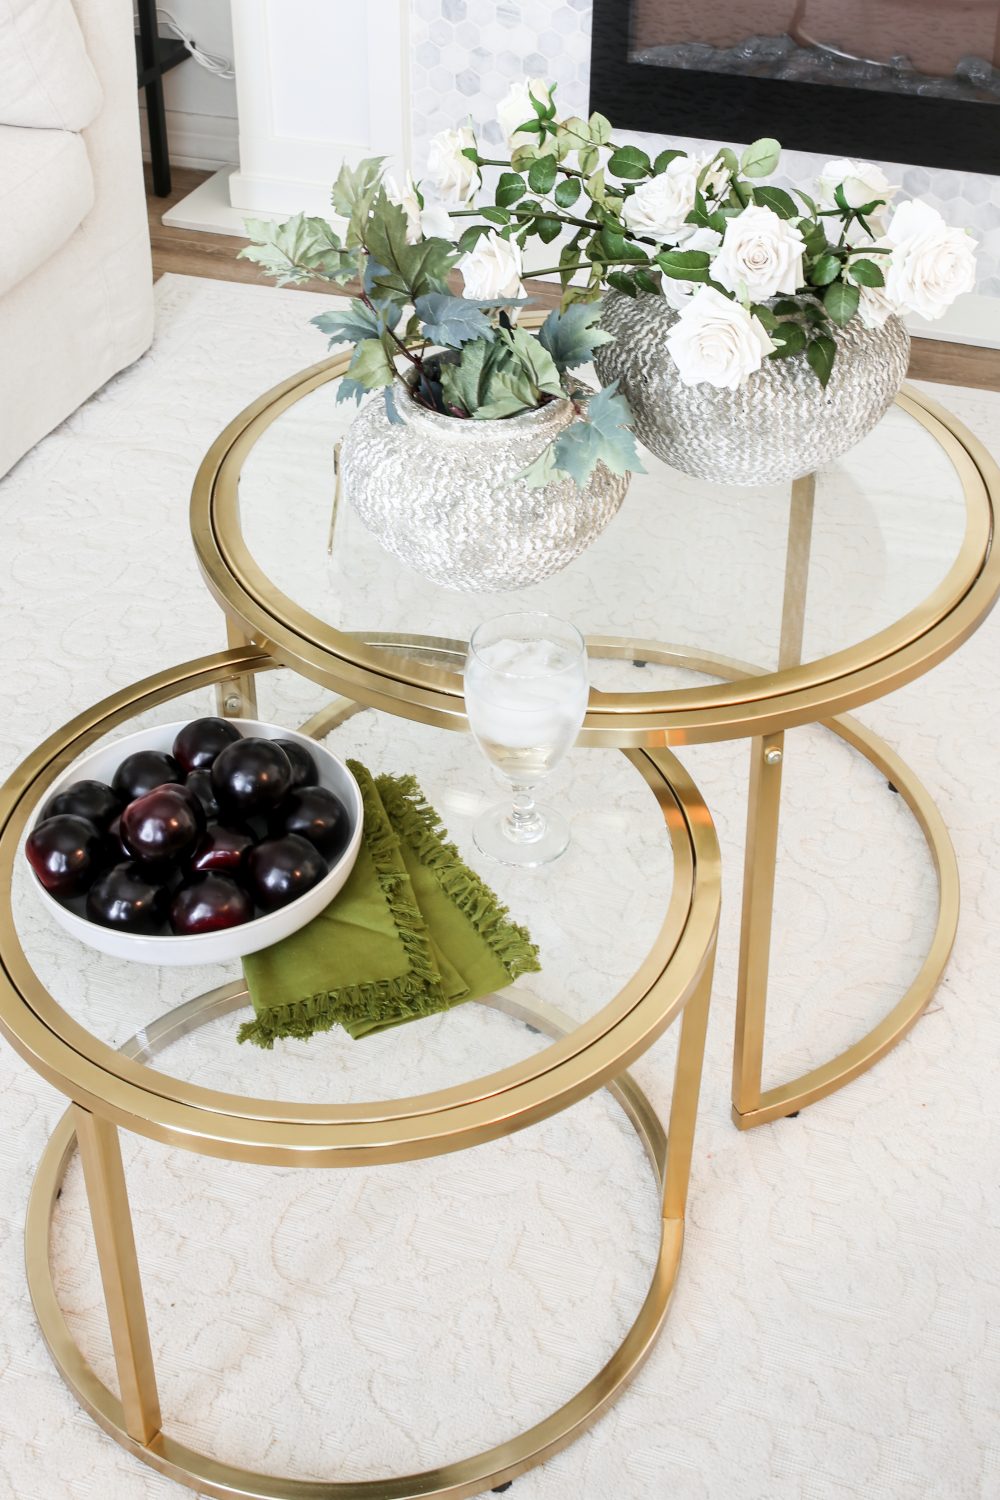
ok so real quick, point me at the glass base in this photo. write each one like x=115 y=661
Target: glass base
x=536 y=841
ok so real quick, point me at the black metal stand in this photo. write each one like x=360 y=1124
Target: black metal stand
x=156 y=55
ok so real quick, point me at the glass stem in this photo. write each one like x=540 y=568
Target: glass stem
x=524 y=822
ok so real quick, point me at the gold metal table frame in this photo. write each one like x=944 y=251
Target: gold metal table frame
x=421 y=679
x=119 y=1089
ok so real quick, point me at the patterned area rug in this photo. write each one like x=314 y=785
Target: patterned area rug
x=833 y=1333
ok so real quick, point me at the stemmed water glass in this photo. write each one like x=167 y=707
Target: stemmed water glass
x=526 y=692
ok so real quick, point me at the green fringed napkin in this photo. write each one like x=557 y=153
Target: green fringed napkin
x=413 y=932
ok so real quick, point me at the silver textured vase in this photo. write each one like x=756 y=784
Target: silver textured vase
x=443 y=494
x=779 y=425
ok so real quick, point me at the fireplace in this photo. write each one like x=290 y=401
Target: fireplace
x=900 y=80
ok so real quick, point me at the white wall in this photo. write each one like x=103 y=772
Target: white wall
x=201 y=108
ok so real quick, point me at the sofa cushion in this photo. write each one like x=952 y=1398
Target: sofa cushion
x=46 y=189
x=46 y=78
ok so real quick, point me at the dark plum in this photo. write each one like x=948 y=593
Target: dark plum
x=199 y=784
x=208 y=903
x=163 y=826
x=66 y=853
x=223 y=849
x=279 y=870
x=314 y=814
x=251 y=776
x=199 y=742
x=126 y=899
x=140 y=772
x=304 y=772
x=92 y=800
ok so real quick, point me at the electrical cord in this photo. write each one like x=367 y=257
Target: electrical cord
x=212 y=62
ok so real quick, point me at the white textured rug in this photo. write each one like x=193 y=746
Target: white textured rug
x=834 y=1332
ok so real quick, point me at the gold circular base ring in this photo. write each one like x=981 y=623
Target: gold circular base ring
x=466 y=1477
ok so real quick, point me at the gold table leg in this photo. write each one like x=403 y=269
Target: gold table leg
x=236 y=698
x=763 y=809
x=107 y=1195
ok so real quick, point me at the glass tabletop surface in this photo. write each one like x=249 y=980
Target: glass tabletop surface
x=693 y=565
x=595 y=916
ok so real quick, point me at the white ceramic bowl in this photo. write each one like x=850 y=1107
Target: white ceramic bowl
x=233 y=942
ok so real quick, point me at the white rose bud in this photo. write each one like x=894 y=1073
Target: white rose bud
x=453 y=175
x=862 y=182
x=716 y=341
x=931 y=264
x=435 y=221
x=492 y=269
x=408 y=201
x=516 y=109
x=761 y=254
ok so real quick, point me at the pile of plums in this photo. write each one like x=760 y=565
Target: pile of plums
x=225 y=828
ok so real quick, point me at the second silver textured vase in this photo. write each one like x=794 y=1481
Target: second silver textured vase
x=780 y=424
x=445 y=495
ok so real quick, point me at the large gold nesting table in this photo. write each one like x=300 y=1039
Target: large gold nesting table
x=805 y=604
x=134 y=1088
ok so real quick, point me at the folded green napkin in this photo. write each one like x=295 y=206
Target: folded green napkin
x=413 y=932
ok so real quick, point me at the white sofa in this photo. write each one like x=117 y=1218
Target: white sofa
x=76 y=286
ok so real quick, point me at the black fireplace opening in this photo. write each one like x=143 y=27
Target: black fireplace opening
x=896 y=80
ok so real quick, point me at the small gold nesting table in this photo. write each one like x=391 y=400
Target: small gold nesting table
x=132 y=1088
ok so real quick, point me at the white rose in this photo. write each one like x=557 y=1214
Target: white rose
x=432 y=219
x=717 y=341
x=435 y=221
x=862 y=182
x=658 y=207
x=454 y=176
x=761 y=253
x=931 y=264
x=678 y=292
x=492 y=269
x=516 y=109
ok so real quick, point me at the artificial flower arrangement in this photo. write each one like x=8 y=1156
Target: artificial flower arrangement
x=461 y=352
x=753 y=271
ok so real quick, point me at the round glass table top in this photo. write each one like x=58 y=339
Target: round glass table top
x=624 y=932
x=805 y=598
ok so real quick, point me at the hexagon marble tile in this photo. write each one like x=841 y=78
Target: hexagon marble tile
x=466 y=53
x=835 y=1329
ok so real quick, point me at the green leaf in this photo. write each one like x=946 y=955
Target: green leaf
x=646 y=281
x=786 y=308
x=542 y=174
x=547 y=229
x=391 y=409
x=841 y=301
x=826 y=269
x=572 y=336
x=538 y=474
x=614 y=246
x=622 y=282
x=354 y=183
x=299 y=248
x=866 y=273
x=761 y=157
x=589 y=158
x=370 y=365
x=467 y=241
x=509 y=189
x=411 y=269
x=356 y=321
x=600 y=129
x=567 y=192
x=776 y=199
x=463 y=382
x=789 y=338
x=810 y=203
x=664 y=159
x=629 y=162
x=685 y=265
x=496 y=216
x=536 y=360
x=815 y=238
x=821 y=354
x=452 y=321
x=533 y=126
x=604 y=437
x=764 y=316
x=349 y=390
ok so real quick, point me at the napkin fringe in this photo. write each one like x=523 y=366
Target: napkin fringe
x=421 y=827
x=411 y=995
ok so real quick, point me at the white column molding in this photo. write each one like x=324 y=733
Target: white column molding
x=317 y=82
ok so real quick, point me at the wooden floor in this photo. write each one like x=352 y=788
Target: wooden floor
x=191 y=252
